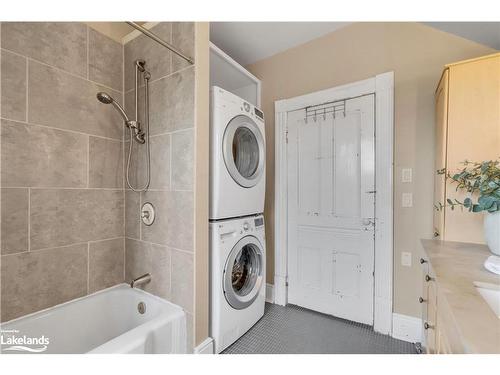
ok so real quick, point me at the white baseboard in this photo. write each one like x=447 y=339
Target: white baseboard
x=270 y=293
x=406 y=328
x=206 y=347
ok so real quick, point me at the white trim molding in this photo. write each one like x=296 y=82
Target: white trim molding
x=206 y=347
x=406 y=328
x=382 y=86
x=270 y=293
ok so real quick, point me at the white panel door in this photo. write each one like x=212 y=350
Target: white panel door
x=331 y=208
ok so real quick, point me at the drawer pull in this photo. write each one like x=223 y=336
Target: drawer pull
x=428 y=326
x=428 y=278
x=421 y=300
x=422 y=261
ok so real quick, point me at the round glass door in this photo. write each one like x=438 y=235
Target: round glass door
x=243 y=149
x=243 y=273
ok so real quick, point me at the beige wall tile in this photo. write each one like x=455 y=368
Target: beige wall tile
x=61 y=44
x=141 y=258
x=182 y=279
x=160 y=162
x=172 y=102
x=64 y=101
x=157 y=232
x=37 y=280
x=38 y=156
x=132 y=214
x=105 y=163
x=156 y=56
x=181 y=224
x=173 y=225
x=13 y=90
x=182 y=39
x=106 y=263
x=105 y=60
x=14 y=220
x=65 y=216
x=182 y=160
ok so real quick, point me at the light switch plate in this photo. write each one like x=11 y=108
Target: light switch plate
x=406 y=259
x=406 y=175
x=407 y=200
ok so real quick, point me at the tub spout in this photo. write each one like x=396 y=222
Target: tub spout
x=141 y=280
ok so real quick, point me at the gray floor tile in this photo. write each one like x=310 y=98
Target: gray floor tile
x=296 y=330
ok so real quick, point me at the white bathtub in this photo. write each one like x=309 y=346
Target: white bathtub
x=108 y=321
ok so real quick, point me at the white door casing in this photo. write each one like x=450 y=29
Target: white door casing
x=382 y=86
x=331 y=209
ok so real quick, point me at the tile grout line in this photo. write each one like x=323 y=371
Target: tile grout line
x=60 y=129
x=62 y=188
x=177 y=131
x=116 y=189
x=63 y=246
x=162 y=245
x=124 y=257
x=62 y=70
x=171 y=141
x=87 y=45
x=128 y=91
x=88 y=162
x=27 y=89
x=88 y=267
x=29 y=219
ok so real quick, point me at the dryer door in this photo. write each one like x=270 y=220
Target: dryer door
x=243 y=149
x=243 y=273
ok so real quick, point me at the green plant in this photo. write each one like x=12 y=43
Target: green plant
x=480 y=179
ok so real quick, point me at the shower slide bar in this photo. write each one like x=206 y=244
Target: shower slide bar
x=157 y=39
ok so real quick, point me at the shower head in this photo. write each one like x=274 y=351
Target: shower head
x=105 y=98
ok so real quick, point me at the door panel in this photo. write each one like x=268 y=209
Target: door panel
x=331 y=210
x=346 y=270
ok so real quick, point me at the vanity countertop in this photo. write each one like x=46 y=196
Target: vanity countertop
x=456 y=266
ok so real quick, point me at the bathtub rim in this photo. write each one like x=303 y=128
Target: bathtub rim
x=117 y=286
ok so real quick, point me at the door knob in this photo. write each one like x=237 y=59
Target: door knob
x=368 y=221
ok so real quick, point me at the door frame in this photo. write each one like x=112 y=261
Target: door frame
x=382 y=86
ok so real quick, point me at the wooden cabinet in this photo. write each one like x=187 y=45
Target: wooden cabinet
x=467 y=128
x=441 y=336
x=429 y=308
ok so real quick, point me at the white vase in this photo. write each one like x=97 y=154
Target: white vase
x=492 y=231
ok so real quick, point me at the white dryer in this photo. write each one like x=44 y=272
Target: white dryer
x=237 y=156
x=237 y=279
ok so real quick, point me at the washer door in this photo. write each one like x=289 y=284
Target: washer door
x=243 y=150
x=243 y=273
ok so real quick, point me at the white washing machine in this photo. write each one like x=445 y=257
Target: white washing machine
x=237 y=156
x=237 y=280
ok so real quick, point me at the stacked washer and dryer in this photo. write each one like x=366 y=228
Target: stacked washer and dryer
x=237 y=238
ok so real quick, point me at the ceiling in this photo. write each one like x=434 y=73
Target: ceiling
x=487 y=33
x=248 y=42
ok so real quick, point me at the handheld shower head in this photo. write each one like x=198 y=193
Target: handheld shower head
x=105 y=98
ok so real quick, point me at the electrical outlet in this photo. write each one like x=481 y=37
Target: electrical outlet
x=406 y=259
x=406 y=175
x=407 y=200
